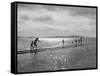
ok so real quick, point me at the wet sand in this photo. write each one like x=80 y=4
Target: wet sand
x=59 y=59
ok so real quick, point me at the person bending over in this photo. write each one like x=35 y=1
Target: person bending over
x=33 y=47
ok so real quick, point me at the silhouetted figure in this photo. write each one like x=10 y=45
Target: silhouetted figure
x=34 y=45
x=31 y=47
x=63 y=42
x=75 y=42
x=81 y=41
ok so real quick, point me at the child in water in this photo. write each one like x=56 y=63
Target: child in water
x=34 y=45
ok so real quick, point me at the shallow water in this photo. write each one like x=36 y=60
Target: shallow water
x=24 y=43
x=55 y=39
x=59 y=59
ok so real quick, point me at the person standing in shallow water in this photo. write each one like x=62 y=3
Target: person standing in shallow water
x=63 y=42
x=31 y=47
x=34 y=45
x=75 y=42
x=81 y=41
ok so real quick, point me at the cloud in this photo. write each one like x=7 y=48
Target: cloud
x=43 y=19
x=29 y=7
x=59 y=18
x=83 y=11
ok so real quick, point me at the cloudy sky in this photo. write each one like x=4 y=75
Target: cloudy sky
x=46 y=20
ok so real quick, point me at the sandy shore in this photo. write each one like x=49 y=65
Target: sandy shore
x=59 y=59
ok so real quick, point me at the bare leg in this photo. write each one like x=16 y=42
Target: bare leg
x=63 y=44
x=35 y=51
x=31 y=48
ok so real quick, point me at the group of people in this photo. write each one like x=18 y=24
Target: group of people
x=33 y=46
x=76 y=42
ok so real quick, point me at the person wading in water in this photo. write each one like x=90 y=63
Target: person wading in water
x=81 y=41
x=34 y=45
x=76 y=42
x=63 y=43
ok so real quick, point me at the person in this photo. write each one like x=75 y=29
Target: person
x=81 y=41
x=31 y=47
x=63 y=42
x=34 y=45
x=75 y=42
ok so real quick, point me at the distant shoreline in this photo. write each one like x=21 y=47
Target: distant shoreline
x=57 y=37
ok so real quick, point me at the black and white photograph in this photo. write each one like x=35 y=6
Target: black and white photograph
x=53 y=37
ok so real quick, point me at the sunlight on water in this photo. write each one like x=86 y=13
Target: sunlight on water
x=55 y=39
x=24 y=43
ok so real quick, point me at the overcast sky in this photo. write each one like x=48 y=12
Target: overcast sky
x=46 y=20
